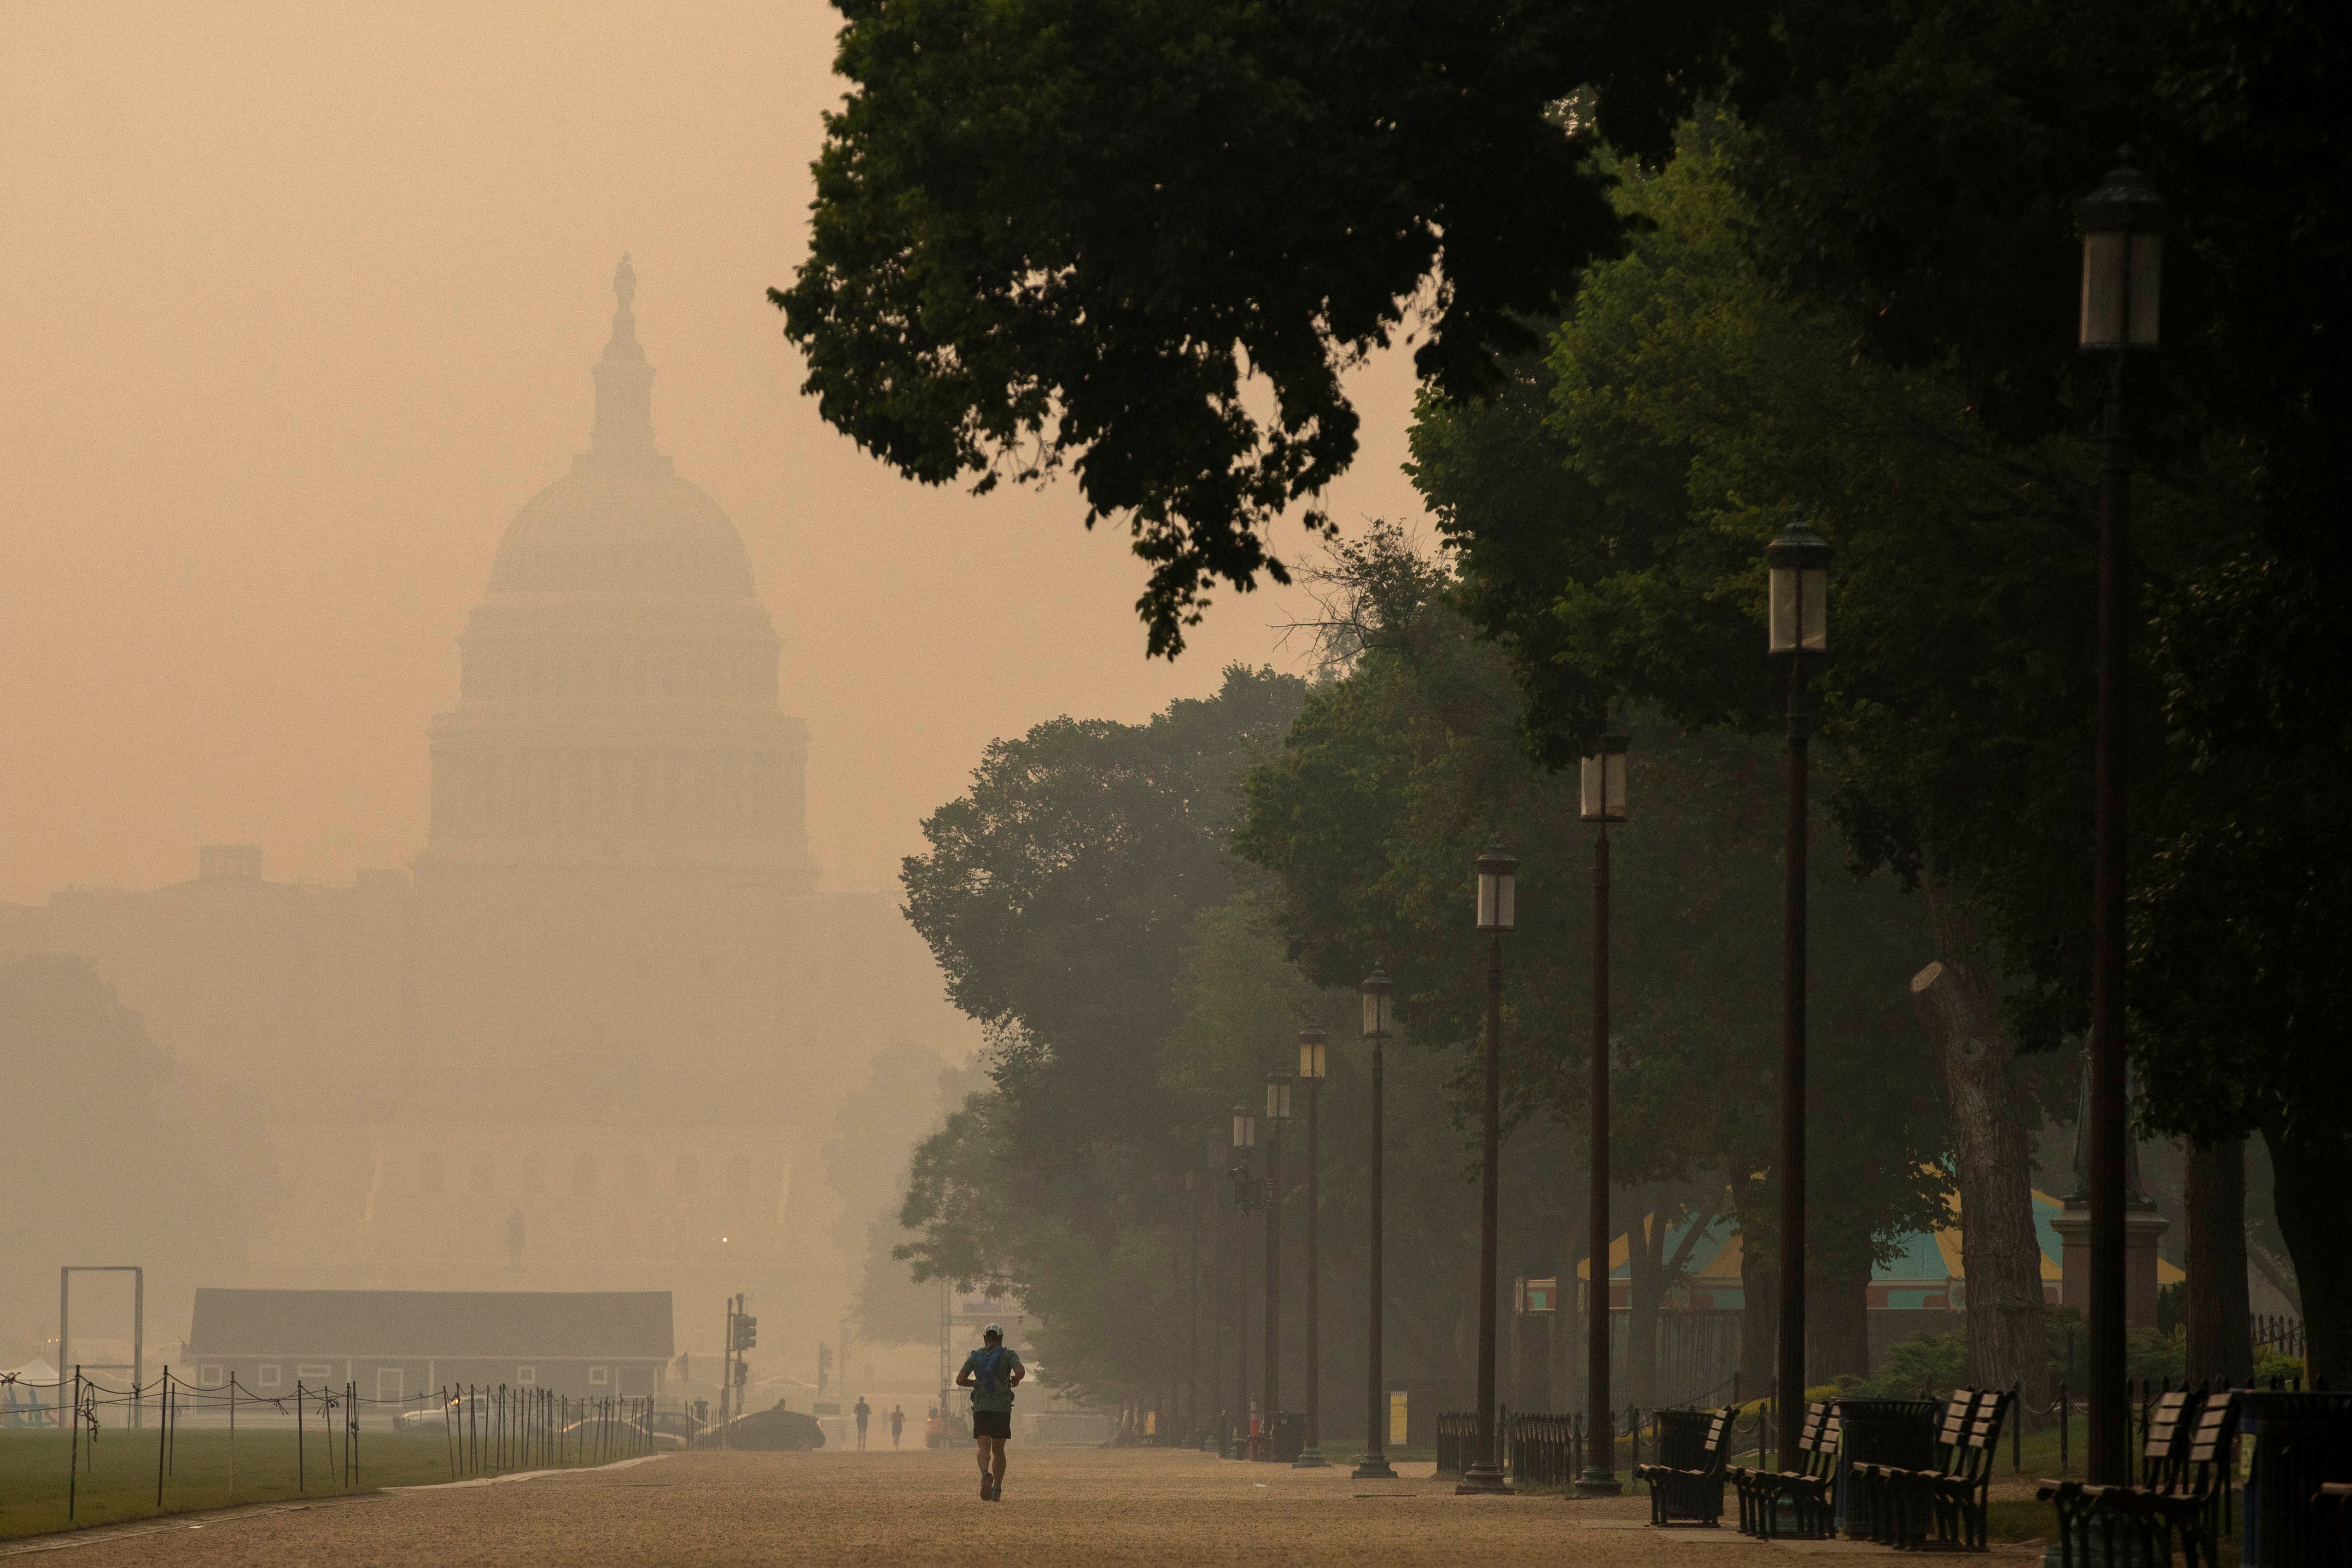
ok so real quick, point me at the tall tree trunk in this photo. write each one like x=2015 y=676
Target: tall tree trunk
x=2309 y=1165
x=1646 y=1244
x=1567 y=1336
x=1760 y=1320
x=2220 y=1327
x=2001 y=1252
x=1656 y=1269
x=1837 y=1320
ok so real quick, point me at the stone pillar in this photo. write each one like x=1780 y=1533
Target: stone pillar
x=2142 y=1226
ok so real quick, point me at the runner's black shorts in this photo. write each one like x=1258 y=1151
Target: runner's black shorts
x=991 y=1424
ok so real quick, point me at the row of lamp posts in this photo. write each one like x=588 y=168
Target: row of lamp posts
x=2122 y=225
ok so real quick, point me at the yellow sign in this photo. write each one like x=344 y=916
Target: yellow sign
x=1396 y=1417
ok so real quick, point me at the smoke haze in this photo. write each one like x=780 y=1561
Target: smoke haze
x=299 y=302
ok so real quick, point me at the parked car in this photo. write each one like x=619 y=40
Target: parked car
x=770 y=1431
x=671 y=1428
x=430 y=1416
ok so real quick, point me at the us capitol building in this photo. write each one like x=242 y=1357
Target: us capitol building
x=593 y=1036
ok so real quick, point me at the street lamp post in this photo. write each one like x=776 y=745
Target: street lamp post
x=1191 y=1297
x=1216 y=1385
x=1798 y=566
x=1277 y=1114
x=1498 y=895
x=1310 y=1073
x=1374 y=1464
x=2123 y=251
x=1603 y=803
x=1245 y=1200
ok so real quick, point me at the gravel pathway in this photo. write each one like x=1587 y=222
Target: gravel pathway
x=1062 y=1505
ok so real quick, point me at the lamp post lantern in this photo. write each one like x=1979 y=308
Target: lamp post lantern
x=1373 y=1466
x=1310 y=1073
x=1497 y=901
x=2123 y=225
x=1603 y=803
x=1796 y=564
x=1277 y=1114
x=1245 y=1200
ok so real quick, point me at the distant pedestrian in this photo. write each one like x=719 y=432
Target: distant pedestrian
x=992 y=1372
x=898 y=1424
x=862 y=1410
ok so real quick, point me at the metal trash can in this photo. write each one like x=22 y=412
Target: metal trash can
x=1898 y=1432
x=1289 y=1435
x=2300 y=1440
x=1682 y=1439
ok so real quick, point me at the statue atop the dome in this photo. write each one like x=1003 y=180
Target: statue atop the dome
x=624 y=345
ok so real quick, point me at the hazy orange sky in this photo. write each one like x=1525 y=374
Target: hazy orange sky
x=297 y=305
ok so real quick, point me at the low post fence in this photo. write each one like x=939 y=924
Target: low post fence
x=1458 y=1440
x=484 y=1429
x=1541 y=1448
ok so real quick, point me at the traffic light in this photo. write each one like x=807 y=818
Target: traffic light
x=742 y=1375
x=747 y=1330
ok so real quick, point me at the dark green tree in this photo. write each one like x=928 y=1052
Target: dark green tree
x=1063 y=232
x=1056 y=231
x=1059 y=896
x=1393 y=778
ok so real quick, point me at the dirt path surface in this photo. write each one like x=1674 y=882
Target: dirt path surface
x=1062 y=1505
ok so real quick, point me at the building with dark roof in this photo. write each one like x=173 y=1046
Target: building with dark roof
x=399 y=1344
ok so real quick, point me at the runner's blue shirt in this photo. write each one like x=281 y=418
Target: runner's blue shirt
x=991 y=1368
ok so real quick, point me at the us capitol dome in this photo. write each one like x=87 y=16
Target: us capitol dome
x=601 y=1033
x=617 y=871
x=618 y=700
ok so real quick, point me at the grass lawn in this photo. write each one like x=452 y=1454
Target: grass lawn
x=119 y=1481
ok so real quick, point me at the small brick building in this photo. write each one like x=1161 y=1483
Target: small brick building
x=398 y=1345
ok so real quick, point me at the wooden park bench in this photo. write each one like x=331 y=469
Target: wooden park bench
x=2084 y=1508
x=1744 y=1478
x=1806 y=1488
x=2333 y=1502
x=1952 y=1495
x=2190 y=1507
x=1691 y=1496
x=1741 y=1476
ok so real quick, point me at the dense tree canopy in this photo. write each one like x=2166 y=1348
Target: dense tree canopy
x=1057 y=231
x=1083 y=904
x=1058 y=895
x=1393 y=778
x=1122 y=1037
x=1060 y=231
x=1687 y=406
x=1049 y=232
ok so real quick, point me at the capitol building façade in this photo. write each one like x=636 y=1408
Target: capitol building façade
x=593 y=1036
